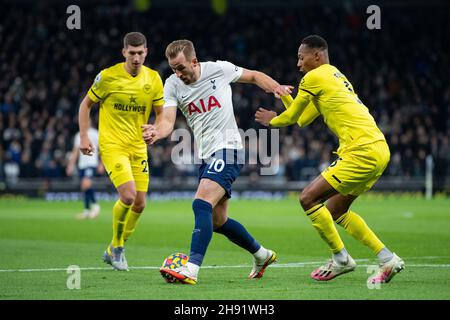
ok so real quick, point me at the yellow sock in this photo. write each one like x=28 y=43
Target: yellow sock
x=358 y=228
x=120 y=213
x=133 y=217
x=323 y=223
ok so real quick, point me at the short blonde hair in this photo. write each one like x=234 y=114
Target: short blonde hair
x=177 y=46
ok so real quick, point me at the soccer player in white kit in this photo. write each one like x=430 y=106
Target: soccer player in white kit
x=201 y=90
x=87 y=167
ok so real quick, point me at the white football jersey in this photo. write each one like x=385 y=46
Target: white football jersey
x=207 y=105
x=85 y=161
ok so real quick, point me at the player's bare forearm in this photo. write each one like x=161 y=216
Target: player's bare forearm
x=83 y=115
x=265 y=82
x=260 y=79
x=86 y=146
x=163 y=126
x=165 y=120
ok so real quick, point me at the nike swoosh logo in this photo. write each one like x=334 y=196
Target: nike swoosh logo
x=211 y=172
x=182 y=97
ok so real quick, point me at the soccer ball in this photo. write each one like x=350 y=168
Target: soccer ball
x=174 y=261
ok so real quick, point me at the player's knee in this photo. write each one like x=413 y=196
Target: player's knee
x=210 y=198
x=306 y=201
x=217 y=225
x=127 y=200
x=337 y=210
x=86 y=184
x=138 y=207
x=128 y=197
x=218 y=221
x=336 y=215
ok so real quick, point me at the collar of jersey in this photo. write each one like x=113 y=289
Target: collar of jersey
x=129 y=75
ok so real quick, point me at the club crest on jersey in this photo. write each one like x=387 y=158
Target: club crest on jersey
x=212 y=103
x=147 y=88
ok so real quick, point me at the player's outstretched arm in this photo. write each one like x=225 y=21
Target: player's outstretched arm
x=287 y=118
x=265 y=82
x=293 y=113
x=308 y=115
x=86 y=146
x=264 y=116
x=163 y=126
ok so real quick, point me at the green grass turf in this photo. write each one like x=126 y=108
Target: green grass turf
x=41 y=235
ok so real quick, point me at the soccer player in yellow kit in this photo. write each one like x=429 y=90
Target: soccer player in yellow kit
x=127 y=93
x=363 y=155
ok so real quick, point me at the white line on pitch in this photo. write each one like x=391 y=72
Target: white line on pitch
x=278 y=265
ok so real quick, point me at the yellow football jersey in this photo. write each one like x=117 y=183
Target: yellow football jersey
x=334 y=98
x=125 y=104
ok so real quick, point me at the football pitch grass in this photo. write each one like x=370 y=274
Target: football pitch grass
x=39 y=240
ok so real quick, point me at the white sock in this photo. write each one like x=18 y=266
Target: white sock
x=261 y=254
x=384 y=255
x=193 y=268
x=341 y=257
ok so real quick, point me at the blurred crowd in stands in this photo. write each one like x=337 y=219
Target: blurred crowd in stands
x=401 y=73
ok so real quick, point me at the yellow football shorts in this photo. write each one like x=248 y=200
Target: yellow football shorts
x=127 y=165
x=356 y=171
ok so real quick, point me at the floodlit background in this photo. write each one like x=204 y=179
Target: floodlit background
x=400 y=71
